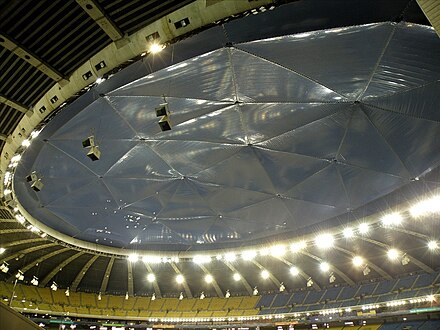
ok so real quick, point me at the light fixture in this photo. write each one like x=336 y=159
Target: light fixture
x=181 y=296
x=94 y=153
x=309 y=282
x=363 y=228
x=278 y=250
x=255 y=291
x=324 y=241
x=133 y=258
x=89 y=142
x=34 y=281
x=209 y=278
x=54 y=286
x=180 y=279
x=202 y=295
x=201 y=259
x=2 y=250
x=67 y=292
x=34 y=180
x=405 y=260
x=332 y=278
x=426 y=207
x=126 y=296
x=162 y=110
x=324 y=266
x=392 y=254
x=249 y=254
x=366 y=270
x=151 y=259
x=294 y=271
x=392 y=219
x=348 y=232
x=25 y=143
x=237 y=277
x=151 y=277
x=298 y=246
x=282 y=287
x=230 y=256
x=432 y=245
x=99 y=296
x=227 y=294
x=265 y=274
x=165 y=123
x=19 y=276
x=153 y=297
x=358 y=261
x=155 y=48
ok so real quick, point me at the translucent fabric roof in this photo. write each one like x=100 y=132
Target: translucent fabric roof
x=269 y=137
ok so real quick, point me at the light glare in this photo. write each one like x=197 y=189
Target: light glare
x=151 y=277
x=358 y=261
x=363 y=228
x=324 y=241
x=237 y=277
x=294 y=271
x=249 y=255
x=393 y=254
x=230 y=256
x=325 y=267
x=426 y=207
x=278 y=250
x=265 y=274
x=348 y=232
x=432 y=245
x=209 y=278
x=392 y=219
x=133 y=258
x=179 y=279
x=298 y=246
x=156 y=48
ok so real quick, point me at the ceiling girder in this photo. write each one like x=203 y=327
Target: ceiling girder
x=82 y=272
x=59 y=267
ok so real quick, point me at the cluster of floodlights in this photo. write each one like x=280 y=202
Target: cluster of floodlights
x=34 y=179
x=164 y=114
x=93 y=150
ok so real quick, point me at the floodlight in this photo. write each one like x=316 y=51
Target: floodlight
x=255 y=291
x=153 y=297
x=324 y=241
x=2 y=250
x=432 y=245
x=151 y=277
x=4 y=267
x=426 y=207
x=164 y=123
x=181 y=296
x=237 y=277
x=265 y=274
x=94 y=153
x=89 y=142
x=391 y=219
x=99 y=296
x=32 y=177
x=126 y=296
x=155 y=48
x=249 y=254
x=294 y=271
x=201 y=259
x=332 y=278
x=209 y=278
x=34 y=281
x=358 y=261
x=298 y=246
x=202 y=295
x=37 y=185
x=133 y=258
x=230 y=256
x=67 y=292
x=180 y=279
x=393 y=254
x=54 y=286
x=363 y=228
x=282 y=287
x=162 y=110
x=309 y=282
x=405 y=260
x=348 y=232
x=19 y=276
x=366 y=270
x=227 y=294
x=325 y=267
x=278 y=250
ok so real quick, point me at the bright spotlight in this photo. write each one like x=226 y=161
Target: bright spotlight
x=325 y=267
x=201 y=259
x=249 y=254
x=324 y=241
x=151 y=277
x=392 y=219
x=426 y=207
x=237 y=277
x=155 y=48
x=393 y=254
x=363 y=228
x=294 y=271
x=432 y=245
x=348 y=232
x=180 y=278
x=298 y=246
x=358 y=261
x=265 y=274
x=230 y=256
x=2 y=250
x=133 y=258
x=209 y=278
x=278 y=250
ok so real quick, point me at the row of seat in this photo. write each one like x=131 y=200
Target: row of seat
x=413 y=325
x=403 y=288
x=80 y=302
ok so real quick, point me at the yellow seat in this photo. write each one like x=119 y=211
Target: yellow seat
x=217 y=304
x=233 y=303
x=156 y=305
x=102 y=304
x=115 y=302
x=186 y=304
x=59 y=298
